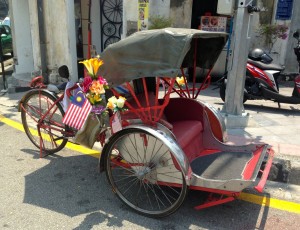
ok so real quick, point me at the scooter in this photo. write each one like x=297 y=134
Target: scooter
x=262 y=78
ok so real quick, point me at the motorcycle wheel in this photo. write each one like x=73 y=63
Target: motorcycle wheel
x=223 y=93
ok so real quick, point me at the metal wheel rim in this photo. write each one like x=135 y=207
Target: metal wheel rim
x=144 y=174
x=49 y=135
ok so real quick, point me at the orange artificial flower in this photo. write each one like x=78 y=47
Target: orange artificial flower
x=97 y=88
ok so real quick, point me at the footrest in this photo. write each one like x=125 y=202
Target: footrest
x=221 y=165
x=260 y=186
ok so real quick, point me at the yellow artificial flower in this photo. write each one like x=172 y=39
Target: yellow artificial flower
x=110 y=105
x=96 y=63
x=97 y=88
x=88 y=66
x=180 y=80
x=92 y=65
x=94 y=99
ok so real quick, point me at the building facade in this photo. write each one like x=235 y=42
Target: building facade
x=48 y=34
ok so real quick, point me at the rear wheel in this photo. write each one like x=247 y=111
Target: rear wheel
x=143 y=173
x=52 y=130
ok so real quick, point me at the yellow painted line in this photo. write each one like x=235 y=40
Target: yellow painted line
x=11 y=123
x=271 y=202
x=69 y=145
x=260 y=200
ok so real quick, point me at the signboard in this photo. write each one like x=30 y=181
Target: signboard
x=284 y=9
x=213 y=23
x=143 y=9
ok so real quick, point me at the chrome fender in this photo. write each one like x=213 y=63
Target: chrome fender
x=163 y=134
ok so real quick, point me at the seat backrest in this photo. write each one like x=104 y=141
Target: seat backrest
x=180 y=109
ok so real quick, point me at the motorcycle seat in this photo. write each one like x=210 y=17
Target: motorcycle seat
x=264 y=66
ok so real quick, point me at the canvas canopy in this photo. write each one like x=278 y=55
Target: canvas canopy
x=160 y=53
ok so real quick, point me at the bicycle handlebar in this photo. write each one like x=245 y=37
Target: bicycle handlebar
x=68 y=91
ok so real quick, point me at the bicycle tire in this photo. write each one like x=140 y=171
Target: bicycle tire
x=34 y=106
x=144 y=176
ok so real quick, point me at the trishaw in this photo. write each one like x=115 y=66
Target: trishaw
x=167 y=142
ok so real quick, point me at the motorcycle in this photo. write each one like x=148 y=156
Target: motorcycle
x=262 y=78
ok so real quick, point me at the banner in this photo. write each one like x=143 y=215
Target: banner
x=143 y=9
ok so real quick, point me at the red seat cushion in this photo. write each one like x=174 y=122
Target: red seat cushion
x=186 y=131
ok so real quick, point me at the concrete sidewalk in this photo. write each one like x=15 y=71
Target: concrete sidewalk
x=267 y=123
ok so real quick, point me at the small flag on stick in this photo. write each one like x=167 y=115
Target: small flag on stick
x=78 y=110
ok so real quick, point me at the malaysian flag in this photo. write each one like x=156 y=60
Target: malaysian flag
x=78 y=110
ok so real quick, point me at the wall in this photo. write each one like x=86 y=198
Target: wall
x=291 y=64
x=96 y=30
x=44 y=37
x=130 y=17
x=130 y=13
x=181 y=13
x=23 y=51
x=280 y=50
x=159 y=7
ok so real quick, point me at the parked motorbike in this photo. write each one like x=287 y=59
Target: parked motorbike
x=262 y=78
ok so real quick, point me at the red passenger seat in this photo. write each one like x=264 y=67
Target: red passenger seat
x=186 y=115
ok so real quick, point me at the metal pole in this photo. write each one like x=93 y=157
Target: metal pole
x=236 y=74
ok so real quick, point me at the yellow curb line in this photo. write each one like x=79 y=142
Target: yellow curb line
x=271 y=202
x=260 y=200
x=69 y=145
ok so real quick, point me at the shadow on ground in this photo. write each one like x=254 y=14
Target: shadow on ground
x=72 y=186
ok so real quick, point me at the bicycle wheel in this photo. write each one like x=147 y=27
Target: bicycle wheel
x=143 y=173
x=36 y=104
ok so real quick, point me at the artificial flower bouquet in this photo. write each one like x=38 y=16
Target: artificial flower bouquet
x=116 y=104
x=93 y=87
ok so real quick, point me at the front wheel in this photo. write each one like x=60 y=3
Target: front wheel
x=143 y=173
x=223 y=93
x=39 y=107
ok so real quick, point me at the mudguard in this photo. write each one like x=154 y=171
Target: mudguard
x=167 y=138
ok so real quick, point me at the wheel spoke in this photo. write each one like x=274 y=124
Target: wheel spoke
x=42 y=111
x=151 y=184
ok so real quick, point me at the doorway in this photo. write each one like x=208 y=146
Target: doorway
x=203 y=8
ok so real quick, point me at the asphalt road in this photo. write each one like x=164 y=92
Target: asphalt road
x=65 y=191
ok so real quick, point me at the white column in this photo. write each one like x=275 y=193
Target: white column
x=71 y=46
x=21 y=29
x=236 y=75
x=34 y=28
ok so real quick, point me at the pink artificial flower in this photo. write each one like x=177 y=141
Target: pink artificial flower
x=102 y=80
x=87 y=81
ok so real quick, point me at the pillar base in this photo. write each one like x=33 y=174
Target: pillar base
x=236 y=121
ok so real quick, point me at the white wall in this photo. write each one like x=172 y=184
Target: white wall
x=23 y=50
x=181 y=15
x=279 y=50
x=96 y=30
x=159 y=7
x=130 y=11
